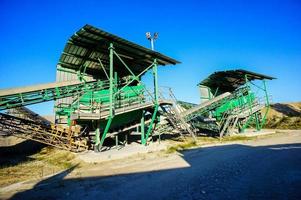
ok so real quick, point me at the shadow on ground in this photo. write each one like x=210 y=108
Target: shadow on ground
x=19 y=153
x=222 y=172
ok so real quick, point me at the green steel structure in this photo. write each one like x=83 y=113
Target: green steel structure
x=106 y=98
x=99 y=94
x=119 y=64
x=231 y=99
x=16 y=97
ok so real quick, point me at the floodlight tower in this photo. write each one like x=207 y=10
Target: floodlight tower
x=152 y=39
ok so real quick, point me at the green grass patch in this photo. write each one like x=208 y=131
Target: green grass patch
x=203 y=140
x=181 y=146
x=46 y=162
x=235 y=138
x=60 y=158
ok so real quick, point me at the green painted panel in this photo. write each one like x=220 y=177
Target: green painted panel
x=132 y=91
x=122 y=120
x=229 y=105
x=97 y=96
x=128 y=94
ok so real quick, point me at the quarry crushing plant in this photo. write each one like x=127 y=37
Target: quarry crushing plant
x=99 y=95
x=231 y=100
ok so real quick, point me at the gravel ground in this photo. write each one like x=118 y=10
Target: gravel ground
x=268 y=168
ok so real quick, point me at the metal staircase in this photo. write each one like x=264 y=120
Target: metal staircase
x=174 y=117
x=232 y=117
x=228 y=125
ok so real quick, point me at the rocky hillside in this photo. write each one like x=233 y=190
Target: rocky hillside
x=284 y=116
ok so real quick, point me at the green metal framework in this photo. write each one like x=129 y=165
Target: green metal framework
x=259 y=123
x=231 y=101
x=107 y=95
x=114 y=92
x=46 y=92
x=105 y=56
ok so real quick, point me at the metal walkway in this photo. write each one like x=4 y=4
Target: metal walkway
x=118 y=111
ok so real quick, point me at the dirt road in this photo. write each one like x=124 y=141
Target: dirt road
x=267 y=168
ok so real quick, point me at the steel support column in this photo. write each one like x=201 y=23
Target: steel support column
x=250 y=105
x=267 y=104
x=156 y=102
x=111 y=100
x=142 y=127
x=97 y=138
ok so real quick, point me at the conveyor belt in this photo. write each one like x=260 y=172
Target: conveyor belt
x=211 y=104
x=208 y=105
x=16 y=97
x=27 y=89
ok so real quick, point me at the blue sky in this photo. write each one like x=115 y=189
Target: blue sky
x=206 y=36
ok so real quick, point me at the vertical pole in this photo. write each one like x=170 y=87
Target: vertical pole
x=111 y=48
x=115 y=81
x=267 y=104
x=97 y=138
x=266 y=92
x=111 y=101
x=156 y=104
x=249 y=89
x=116 y=140
x=257 y=122
x=249 y=102
x=152 y=44
x=142 y=127
x=155 y=74
x=150 y=128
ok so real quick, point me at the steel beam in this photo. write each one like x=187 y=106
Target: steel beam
x=267 y=104
x=156 y=103
x=111 y=101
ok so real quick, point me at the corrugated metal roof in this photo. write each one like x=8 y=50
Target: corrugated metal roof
x=89 y=44
x=228 y=81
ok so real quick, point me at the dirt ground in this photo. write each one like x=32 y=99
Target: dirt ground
x=260 y=168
